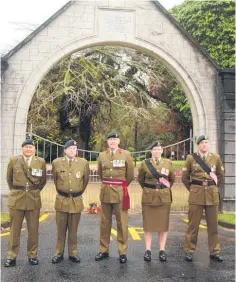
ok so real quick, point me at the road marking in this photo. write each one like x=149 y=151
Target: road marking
x=135 y=232
x=201 y=226
x=42 y=218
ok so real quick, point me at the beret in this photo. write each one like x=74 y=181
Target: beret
x=70 y=143
x=112 y=134
x=28 y=142
x=201 y=138
x=156 y=144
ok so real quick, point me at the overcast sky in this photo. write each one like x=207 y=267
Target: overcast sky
x=17 y=16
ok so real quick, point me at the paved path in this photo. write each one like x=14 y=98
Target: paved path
x=176 y=269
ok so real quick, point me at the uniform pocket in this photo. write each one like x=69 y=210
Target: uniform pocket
x=165 y=196
x=79 y=205
x=11 y=200
x=192 y=195
x=146 y=198
x=102 y=194
x=37 y=199
x=58 y=203
x=215 y=195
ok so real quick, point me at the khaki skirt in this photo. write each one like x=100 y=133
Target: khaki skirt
x=156 y=218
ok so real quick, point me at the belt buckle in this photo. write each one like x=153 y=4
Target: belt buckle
x=70 y=195
x=205 y=183
x=26 y=187
x=157 y=186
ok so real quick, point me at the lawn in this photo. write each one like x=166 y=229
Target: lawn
x=228 y=218
x=4 y=217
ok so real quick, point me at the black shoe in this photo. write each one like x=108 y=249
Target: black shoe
x=10 y=262
x=123 y=258
x=162 y=256
x=57 y=259
x=74 y=258
x=216 y=257
x=101 y=256
x=33 y=261
x=188 y=257
x=147 y=255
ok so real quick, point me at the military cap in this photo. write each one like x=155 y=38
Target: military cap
x=28 y=142
x=112 y=134
x=70 y=143
x=201 y=138
x=156 y=144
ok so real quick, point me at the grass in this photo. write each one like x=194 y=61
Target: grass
x=228 y=218
x=4 y=217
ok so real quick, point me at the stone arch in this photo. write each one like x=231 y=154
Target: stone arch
x=200 y=123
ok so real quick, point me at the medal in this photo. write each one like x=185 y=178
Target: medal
x=77 y=175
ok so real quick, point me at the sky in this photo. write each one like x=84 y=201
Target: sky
x=18 y=18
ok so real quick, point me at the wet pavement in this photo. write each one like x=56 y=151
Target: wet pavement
x=136 y=269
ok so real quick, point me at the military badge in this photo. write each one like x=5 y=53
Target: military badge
x=77 y=175
x=37 y=172
x=165 y=171
x=118 y=163
x=213 y=168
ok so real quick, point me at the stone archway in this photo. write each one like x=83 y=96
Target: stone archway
x=143 y=25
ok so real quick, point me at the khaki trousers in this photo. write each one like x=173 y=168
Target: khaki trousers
x=122 y=227
x=194 y=216
x=16 y=220
x=64 y=221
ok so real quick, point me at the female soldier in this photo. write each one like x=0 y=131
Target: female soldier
x=156 y=177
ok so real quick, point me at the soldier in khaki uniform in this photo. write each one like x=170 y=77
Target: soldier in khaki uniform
x=156 y=199
x=71 y=176
x=26 y=177
x=203 y=194
x=116 y=170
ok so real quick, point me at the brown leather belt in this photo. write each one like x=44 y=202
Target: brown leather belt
x=203 y=183
x=154 y=186
x=69 y=195
x=26 y=187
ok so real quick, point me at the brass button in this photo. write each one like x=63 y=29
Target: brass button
x=70 y=181
x=70 y=189
x=110 y=176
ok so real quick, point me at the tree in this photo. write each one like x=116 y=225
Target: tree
x=104 y=85
x=212 y=24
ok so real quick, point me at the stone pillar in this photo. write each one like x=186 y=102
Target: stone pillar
x=227 y=138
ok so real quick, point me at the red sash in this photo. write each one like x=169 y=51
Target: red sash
x=126 y=198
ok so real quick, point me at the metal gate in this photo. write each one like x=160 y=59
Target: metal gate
x=50 y=150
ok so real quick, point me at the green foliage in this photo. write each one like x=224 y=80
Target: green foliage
x=212 y=24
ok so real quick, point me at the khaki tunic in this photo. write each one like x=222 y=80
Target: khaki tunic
x=200 y=198
x=68 y=179
x=156 y=202
x=24 y=203
x=111 y=197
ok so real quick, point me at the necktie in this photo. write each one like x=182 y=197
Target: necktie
x=28 y=162
x=70 y=163
x=204 y=158
x=157 y=161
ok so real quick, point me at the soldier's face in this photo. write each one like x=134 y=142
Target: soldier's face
x=71 y=152
x=204 y=146
x=156 y=152
x=28 y=150
x=113 y=143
